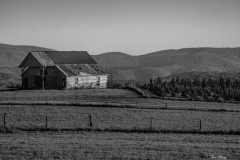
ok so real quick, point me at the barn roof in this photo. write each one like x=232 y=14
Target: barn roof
x=51 y=58
x=81 y=69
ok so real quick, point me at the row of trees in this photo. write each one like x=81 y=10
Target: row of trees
x=207 y=89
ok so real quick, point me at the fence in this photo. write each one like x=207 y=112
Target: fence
x=114 y=119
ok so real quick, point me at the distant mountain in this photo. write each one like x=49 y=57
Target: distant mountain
x=167 y=62
x=116 y=59
x=143 y=67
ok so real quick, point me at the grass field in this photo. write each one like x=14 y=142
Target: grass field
x=97 y=145
x=107 y=143
x=70 y=117
x=111 y=96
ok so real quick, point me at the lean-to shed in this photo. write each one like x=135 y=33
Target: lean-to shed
x=62 y=70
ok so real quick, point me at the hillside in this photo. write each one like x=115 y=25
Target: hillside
x=11 y=57
x=167 y=62
x=116 y=60
x=122 y=66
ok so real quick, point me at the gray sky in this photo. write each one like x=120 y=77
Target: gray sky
x=131 y=26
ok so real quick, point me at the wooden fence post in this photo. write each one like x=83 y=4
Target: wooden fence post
x=200 y=124
x=4 y=121
x=166 y=105
x=90 y=121
x=46 y=123
x=151 y=124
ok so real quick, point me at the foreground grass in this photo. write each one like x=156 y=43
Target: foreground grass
x=97 y=145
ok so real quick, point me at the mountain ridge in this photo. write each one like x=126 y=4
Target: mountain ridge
x=123 y=66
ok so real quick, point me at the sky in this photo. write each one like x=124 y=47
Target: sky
x=134 y=27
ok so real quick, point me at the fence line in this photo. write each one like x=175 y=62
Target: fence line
x=89 y=121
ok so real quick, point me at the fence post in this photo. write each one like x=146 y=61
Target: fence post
x=46 y=123
x=166 y=105
x=151 y=124
x=90 y=121
x=4 y=121
x=200 y=124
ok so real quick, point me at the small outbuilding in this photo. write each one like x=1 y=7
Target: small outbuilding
x=62 y=70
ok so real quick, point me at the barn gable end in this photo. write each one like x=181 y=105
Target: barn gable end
x=30 y=61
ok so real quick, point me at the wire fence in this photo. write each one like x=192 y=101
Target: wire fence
x=64 y=118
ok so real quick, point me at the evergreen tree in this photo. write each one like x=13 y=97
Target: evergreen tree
x=204 y=83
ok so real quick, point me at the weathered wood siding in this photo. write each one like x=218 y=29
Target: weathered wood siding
x=30 y=61
x=54 y=71
x=88 y=81
x=30 y=82
x=103 y=81
x=78 y=82
x=32 y=71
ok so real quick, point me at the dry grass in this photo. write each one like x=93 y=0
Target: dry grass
x=70 y=117
x=66 y=95
x=97 y=145
x=113 y=145
x=111 y=96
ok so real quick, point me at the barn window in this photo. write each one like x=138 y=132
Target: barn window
x=76 y=80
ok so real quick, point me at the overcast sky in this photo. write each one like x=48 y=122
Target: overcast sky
x=131 y=26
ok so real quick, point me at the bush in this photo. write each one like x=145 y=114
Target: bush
x=13 y=85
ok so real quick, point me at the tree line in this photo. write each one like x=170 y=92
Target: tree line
x=207 y=89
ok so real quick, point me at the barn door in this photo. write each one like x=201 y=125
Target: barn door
x=38 y=82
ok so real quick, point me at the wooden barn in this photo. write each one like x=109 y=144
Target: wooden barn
x=61 y=70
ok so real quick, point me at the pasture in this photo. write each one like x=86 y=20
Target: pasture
x=113 y=145
x=106 y=96
x=115 y=133
x=75 y=117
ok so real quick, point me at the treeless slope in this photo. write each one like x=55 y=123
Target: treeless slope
x=116 y=59
x=12 y=56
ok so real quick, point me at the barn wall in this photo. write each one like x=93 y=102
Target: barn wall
x=32 y=71
x=103 y=81
x=54 y=71
x=90 y=81
x=78 y=82
x=30 y=82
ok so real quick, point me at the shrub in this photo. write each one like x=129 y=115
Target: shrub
x=13 y=85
